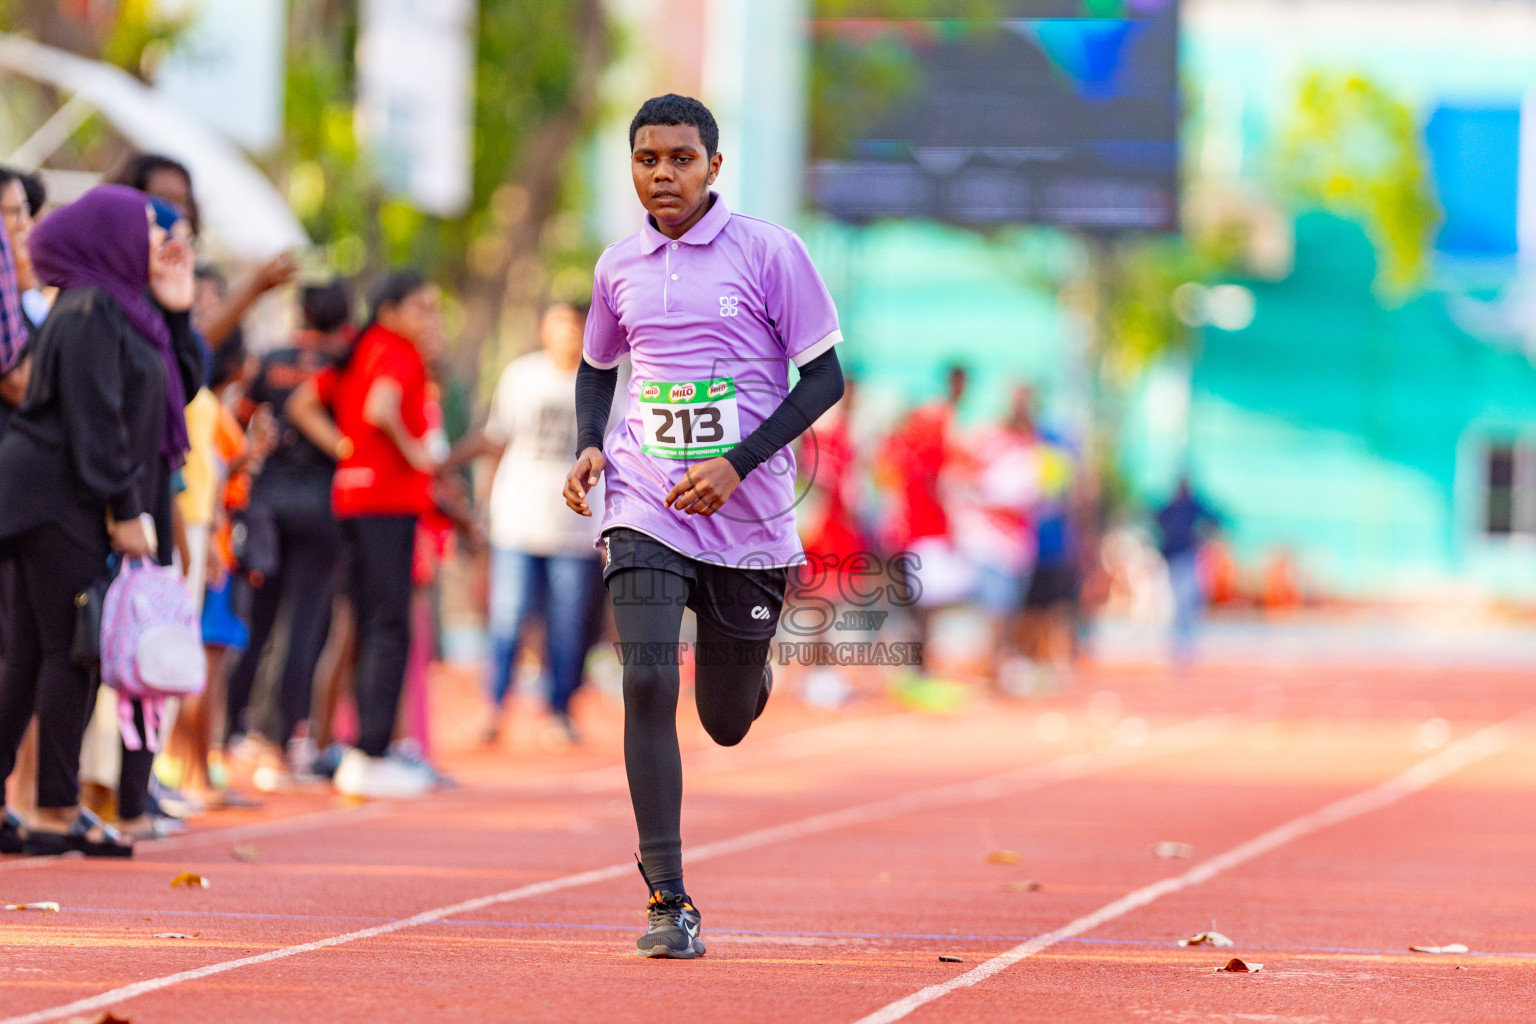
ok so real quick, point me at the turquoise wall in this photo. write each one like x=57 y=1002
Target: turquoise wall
x=915 y=297
x=1352 y=434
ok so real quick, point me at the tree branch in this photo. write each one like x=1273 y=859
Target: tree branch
x=537 y=173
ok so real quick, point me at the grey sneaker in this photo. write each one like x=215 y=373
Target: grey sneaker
x=674 y=928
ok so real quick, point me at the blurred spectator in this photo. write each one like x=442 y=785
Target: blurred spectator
x=1183 y=526
x=1281 y=582
x=831 y=529
x=383 y=484
x=15 y=274
x=216 y=464
x=14 y=338
x=1051 y=598
x=832 y=532
x=913 y=461
x=998 y=484
x=291 y=502
x=447 y=507
x=543 y=562
x=94 y=442
x=169 y=179
x=21 y=202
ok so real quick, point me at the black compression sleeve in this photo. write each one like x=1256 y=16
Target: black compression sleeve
x=818 y=389
x=594 y=398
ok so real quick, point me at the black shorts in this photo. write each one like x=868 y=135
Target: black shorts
x=742 y=603
x=1051 y=585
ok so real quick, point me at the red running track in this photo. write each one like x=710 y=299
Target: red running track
x=838 y=856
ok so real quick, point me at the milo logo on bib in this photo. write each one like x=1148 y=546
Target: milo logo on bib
x=691 y=419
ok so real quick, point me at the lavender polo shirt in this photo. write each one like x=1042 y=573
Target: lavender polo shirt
x=710 y=322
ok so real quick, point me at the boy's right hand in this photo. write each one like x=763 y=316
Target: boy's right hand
x=582 y=478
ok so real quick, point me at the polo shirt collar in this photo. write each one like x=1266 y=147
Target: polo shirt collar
x=702 y=233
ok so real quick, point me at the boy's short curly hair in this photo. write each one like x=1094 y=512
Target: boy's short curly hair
x=675 y=109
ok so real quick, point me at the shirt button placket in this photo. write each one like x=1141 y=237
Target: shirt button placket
x=672 y=262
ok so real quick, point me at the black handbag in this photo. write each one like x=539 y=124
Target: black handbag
x=85 y=647
x=255 y=542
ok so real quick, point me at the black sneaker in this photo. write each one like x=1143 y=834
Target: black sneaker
x=674 y=928
x=10 y=833
x=762 y=700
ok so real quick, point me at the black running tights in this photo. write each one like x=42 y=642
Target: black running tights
x=307 y=550
x=728 y=682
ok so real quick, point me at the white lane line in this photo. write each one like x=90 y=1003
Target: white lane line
x=1477 y=747
x=1173 y=740
x=788 y=747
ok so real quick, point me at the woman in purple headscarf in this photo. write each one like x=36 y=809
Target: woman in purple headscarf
x=84 y=467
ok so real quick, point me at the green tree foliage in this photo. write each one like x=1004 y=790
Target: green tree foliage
x=1353 y=148
x=536 y=67
x=140 y=36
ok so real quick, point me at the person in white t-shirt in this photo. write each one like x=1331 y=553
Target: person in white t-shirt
x=544 y=558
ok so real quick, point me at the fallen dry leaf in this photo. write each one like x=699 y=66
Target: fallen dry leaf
x=104 y=1017
x=1236 y=966
x=1002 y=857
x=1173 y=851
x=951 y=959
x=1454 y=947
x=245 y=853
x=190 y=880
x=1027 y=885
x=175 y=935
x=33 y=906
x=1207 y=939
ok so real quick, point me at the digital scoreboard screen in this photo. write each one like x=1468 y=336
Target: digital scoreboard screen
x=1068 y=116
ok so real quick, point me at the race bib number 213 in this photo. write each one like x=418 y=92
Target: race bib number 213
x=689 y=420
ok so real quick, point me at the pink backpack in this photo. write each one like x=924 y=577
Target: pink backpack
x=151 y=645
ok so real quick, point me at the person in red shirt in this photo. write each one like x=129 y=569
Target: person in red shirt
x=913 y=463
x=914 y=457
x=378 y=430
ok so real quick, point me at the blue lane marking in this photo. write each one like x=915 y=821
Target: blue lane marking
x=562 y=926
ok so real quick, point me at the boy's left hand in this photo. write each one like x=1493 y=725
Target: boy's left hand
x=704 y=488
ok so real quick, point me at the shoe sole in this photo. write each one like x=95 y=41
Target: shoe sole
x=668 y=953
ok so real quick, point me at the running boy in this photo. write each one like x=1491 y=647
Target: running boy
x=710 y=307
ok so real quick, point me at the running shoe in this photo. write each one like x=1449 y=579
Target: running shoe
x=409 y=753
x=564 y=723
x=673 y=932
x=380 y=778
x=293 y=769
x=10 y=832
x=300 y=757
x=172 y=802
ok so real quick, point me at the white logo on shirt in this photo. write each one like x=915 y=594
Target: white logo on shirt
x=761 y=613
x=728 y=305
